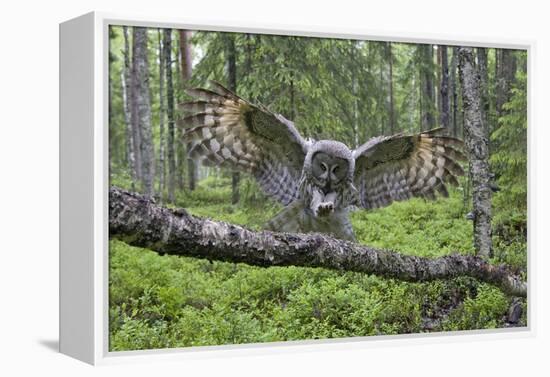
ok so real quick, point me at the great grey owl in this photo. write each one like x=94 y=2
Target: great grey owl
x=318 y=182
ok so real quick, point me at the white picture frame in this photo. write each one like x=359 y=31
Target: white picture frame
x=84 y=190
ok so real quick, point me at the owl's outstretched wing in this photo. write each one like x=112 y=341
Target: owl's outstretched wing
x=227 y=131
x=401 y=166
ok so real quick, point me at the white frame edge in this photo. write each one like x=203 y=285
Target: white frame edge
x=83 y=325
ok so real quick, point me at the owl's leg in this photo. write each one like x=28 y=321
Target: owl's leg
x=341 y=226
x=288 y=220
x=321 y=204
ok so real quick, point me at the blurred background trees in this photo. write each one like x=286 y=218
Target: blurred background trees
x=349 y=90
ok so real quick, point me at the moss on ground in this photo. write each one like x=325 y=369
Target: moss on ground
x=169 y=301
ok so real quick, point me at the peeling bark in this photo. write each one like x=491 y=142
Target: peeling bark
x=477 y=144
x=137 y=220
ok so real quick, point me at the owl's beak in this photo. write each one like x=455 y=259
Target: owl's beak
x=333 y=177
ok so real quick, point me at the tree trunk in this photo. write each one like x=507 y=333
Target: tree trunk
x=427 y=87
x=445 y=100
x=454 y=92
x=143 y=107
x=170 y=114
x=484 y=85
x=477 y=144
x=505 y=76
x=382 y=98
x=179 y=148
x=231 y=68
x=133 y=107
x=390 y=82
x=126 y=90
x=138 y=221
x=162 y=110
x=354 y=119
x=186 y=72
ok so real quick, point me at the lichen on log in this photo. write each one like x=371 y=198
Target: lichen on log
x=139 y=221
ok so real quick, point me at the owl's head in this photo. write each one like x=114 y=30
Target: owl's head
x=329 y=164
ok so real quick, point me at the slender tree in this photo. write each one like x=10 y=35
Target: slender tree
x=142 y=116
x=126 y=103
x=162 y=112
x=477 y=144
x=134 y=115
x=170 y=115
x=179 y=148
x=427 y=86
x=454 y=92
x=505 y=73
x=185 y=73
x=390 y=84
x=444 y=97
x=484 y=84
x=231 y=71
x=354 y=89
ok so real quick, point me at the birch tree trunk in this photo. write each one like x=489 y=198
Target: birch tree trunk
x=143 y=105
x=186 y=72
x=170 y=114
x=134 y=113
x=126 y=103
x=162 y=110
x=125 y=80
x=477 y=144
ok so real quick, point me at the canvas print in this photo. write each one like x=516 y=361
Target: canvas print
x=268 y=188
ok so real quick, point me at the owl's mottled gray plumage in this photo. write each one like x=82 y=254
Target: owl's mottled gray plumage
x=317 y=181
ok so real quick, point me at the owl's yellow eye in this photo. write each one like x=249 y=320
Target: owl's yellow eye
x=323 y=166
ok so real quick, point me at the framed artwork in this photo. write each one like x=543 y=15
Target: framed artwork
x=226 y=187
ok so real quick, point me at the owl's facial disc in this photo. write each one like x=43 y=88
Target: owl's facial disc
x=328 y=170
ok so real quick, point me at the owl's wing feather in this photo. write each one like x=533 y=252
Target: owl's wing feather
x=398 y=167
x=225 y=130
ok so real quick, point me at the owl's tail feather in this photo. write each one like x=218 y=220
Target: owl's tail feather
x=288 y=220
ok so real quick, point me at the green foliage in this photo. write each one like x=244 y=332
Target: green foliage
x=509 y=160
x=484 y=311
x=415 y=227
x=169 y=301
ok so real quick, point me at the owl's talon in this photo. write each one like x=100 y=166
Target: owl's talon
x=324 y=209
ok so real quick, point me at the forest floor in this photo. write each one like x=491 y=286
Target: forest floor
x=169 y=301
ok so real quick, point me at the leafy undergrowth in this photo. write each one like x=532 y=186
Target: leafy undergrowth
x=168 y=301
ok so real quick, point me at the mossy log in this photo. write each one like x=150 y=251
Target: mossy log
x=139 y=221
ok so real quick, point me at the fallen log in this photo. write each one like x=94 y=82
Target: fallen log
x=139 y=221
